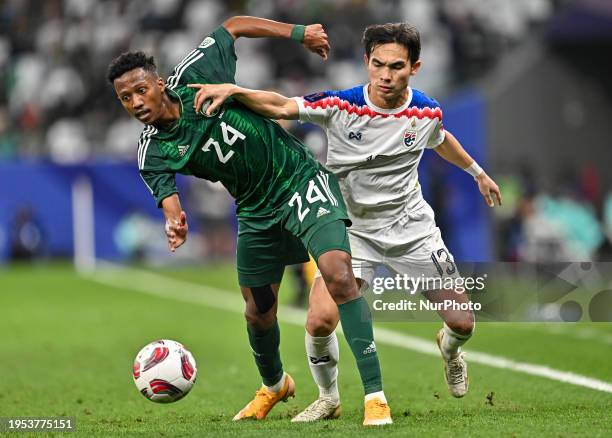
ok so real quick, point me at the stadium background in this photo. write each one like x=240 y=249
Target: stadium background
x=524 y=84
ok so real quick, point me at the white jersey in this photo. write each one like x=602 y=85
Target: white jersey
x=374 y=151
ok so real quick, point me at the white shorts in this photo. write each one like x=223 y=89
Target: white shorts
x=412 y=245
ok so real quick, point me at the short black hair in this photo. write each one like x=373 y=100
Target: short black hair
x=400 y=33
x=129 y=61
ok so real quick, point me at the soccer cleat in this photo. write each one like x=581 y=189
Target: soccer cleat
x=265 y=400
x=455 y=371
x=322 y=408
x=376 y=413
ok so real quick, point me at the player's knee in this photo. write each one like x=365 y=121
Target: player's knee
x=321 y=324
x=257 y=320
x=337 y=273
x=463 y=325
x=264 y=298
x=251 y=317
x=342 y=285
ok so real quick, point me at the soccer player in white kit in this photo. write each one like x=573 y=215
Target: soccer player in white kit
x=376 y=136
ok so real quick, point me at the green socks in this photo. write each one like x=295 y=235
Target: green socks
x=357 y=326
x=265 y=345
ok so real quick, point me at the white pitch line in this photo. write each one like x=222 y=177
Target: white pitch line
x=165 y=287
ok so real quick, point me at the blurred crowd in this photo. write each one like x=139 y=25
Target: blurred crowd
x=569 y=219
x=55 y=102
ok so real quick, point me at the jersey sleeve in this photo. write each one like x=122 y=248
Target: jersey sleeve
x=438 y=134
x=315 y=108
x=212 y=62
x=160 y=184
x=160 y=180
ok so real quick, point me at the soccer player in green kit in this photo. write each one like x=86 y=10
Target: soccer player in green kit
x=287 y=203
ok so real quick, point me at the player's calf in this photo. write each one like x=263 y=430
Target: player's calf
x=337 y=272
x=357 y=325
x=322 y=353
x=264 y=339
x=457 y=331
x=458 y=324
x=455 y=367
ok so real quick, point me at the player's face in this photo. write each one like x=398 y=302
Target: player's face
x=141 y=94
x=389 y=70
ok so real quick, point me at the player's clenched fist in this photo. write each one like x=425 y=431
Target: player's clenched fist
x=315 y=40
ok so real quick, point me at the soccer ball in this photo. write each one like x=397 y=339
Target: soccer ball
x=164 y=371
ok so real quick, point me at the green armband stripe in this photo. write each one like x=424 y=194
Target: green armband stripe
x=297 y=33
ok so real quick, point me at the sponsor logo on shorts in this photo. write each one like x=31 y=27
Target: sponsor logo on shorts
x=183 y=149
x=322 y=212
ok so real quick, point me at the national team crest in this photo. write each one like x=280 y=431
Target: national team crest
x=410 y=136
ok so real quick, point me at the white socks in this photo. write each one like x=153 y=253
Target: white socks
x=278 y=385
x=323 y=354
x=452 y=341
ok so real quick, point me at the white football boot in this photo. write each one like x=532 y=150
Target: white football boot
x=455 y=370
x=322 y=408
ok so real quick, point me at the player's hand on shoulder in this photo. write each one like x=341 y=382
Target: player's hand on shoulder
x=489 y=189
x=315 y=40
x=176 y=231
x=212 y=95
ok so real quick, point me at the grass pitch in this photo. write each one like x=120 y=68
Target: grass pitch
x=68 y=343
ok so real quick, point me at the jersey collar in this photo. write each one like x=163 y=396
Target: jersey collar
x=384 y=110
x=175 y=96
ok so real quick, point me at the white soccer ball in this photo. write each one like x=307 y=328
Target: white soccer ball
x=164 y=371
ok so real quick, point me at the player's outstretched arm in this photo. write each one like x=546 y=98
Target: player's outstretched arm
x=452 y=151
x=176 y=222
x=313 y=36
x=266 y=103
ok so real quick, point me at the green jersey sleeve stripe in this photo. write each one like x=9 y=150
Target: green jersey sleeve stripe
x=141 y=141
x=180 y=72
x=186 y=59
x=140 y=144
x=142 y=150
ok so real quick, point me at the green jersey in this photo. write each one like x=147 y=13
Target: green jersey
x=258 y=162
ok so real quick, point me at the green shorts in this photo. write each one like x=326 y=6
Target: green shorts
x=313 y=221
